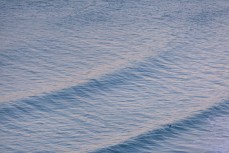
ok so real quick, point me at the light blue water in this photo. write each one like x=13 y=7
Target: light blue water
x=114 y=76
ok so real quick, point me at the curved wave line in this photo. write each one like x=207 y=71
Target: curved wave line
x=155 y=137
x=74 y=94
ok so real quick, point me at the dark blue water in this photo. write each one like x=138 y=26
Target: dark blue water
x=114 y=76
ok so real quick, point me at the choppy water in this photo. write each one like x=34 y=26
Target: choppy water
x=114 y=76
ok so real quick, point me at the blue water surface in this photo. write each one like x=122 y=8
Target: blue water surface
x=114 y=76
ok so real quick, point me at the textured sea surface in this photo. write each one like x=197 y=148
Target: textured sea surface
x=114 y=76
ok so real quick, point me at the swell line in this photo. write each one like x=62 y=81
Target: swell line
x=74 y=94
x=149 y=140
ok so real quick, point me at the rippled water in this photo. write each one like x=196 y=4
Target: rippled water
x=114 y=76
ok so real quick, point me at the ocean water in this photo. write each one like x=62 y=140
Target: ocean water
x=114 y=76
